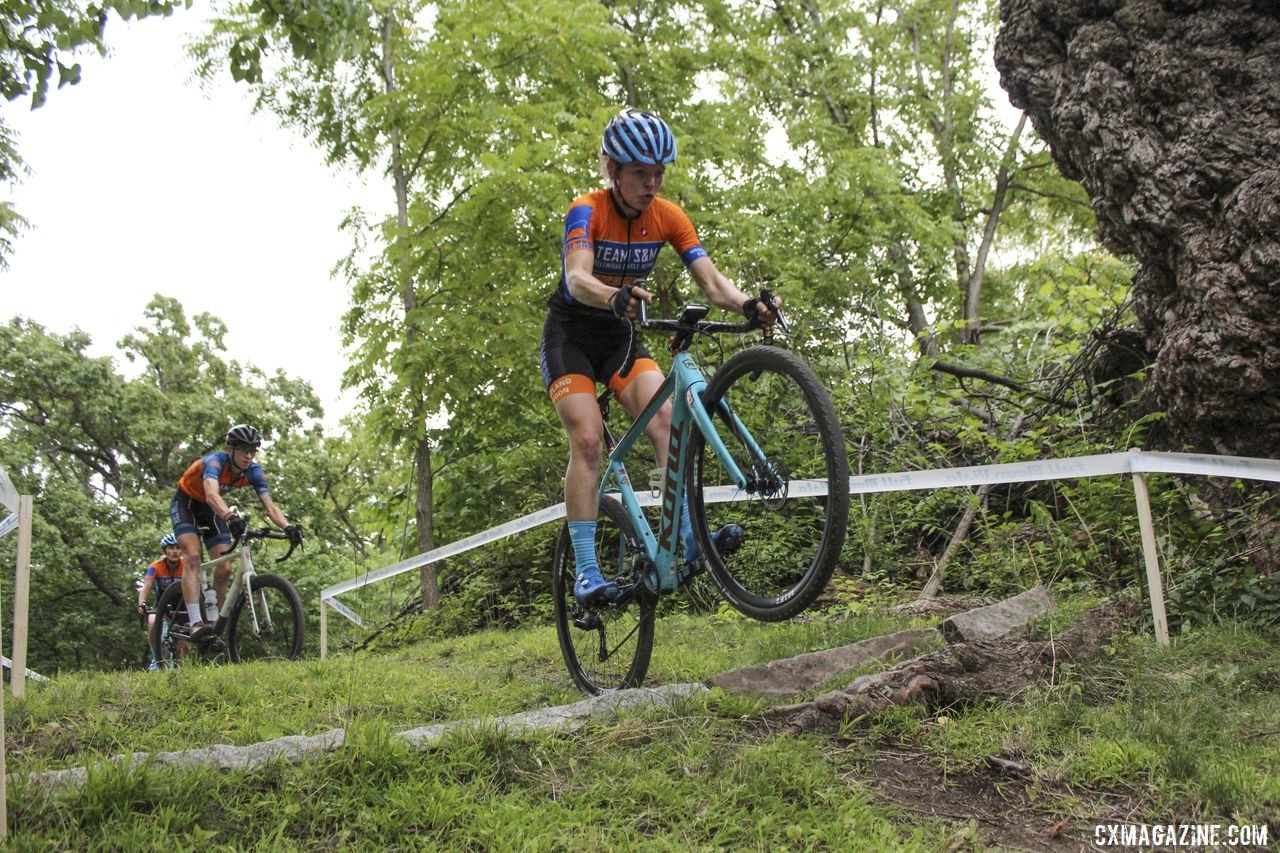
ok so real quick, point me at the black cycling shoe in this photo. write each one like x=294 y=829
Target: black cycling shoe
x=727 y=539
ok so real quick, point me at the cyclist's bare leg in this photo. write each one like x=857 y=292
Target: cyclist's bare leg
x=222 y=573
x=193 y=569
x=581 y=419
x=635 y=397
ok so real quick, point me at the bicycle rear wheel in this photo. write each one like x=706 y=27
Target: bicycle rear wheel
x=170 y=631
x=605 y=647
x=780 y=427
x=270 y=626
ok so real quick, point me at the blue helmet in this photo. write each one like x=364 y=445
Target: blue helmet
x=635 y=136
x=167 y=540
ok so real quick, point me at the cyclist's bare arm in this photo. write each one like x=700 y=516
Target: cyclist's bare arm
x=586 y=288
x=144 y=591
x=273 y=511
x=214 y=499
x=720 y=291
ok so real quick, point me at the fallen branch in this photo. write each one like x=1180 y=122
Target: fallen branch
x=973 y=373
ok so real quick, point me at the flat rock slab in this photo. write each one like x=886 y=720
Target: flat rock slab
x=999 y=619
x=808 y=671
x=295 y=747
x=941 y=604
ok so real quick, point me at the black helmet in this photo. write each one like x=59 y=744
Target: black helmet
x=244 y=436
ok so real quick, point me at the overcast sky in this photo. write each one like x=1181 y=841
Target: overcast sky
x=144 y=183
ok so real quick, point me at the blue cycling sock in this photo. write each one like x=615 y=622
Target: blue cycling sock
x=583 y=536
x=686 y=532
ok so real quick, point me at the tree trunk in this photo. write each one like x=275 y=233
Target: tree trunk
x=1168 y=112
x=408 y=294
x=429 y=573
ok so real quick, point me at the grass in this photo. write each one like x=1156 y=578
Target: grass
x=1187 y=734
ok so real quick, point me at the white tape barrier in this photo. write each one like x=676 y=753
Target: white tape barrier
x=10 y=523
x=1129 y=462
x=8 y=494
x=32 y=674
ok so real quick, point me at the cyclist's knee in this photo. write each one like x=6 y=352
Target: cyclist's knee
x=587 y=446
x=659 y=428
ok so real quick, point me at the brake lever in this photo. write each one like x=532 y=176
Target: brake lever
x=766 y=296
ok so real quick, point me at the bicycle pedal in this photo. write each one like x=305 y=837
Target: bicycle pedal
x=690 y=571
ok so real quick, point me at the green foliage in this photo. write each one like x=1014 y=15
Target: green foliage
x=40 y=39
x=846 y=154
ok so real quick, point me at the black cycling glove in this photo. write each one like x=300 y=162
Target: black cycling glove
x=621 y=301
x=294 y=532
x=237 y=525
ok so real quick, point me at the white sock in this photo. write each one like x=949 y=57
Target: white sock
x=193 y=612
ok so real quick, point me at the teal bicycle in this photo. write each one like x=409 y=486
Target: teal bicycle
x=758 y=445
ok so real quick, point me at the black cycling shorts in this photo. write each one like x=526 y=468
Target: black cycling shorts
x=588 y=347
x=189 y=515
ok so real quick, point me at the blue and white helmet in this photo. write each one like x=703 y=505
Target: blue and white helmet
x=167 y=540
x=635 y=136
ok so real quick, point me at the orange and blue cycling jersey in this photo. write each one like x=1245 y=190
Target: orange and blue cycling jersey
x=217 y=466
x=624 y=249
x=160 y=574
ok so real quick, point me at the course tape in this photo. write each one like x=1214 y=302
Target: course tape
x=1128 y=462
x=8 y=494
x=31 y=673
x=8 y=524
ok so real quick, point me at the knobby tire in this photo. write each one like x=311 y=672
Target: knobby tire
x=792 y=542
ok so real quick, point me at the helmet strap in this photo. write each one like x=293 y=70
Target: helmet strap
x=624 y=210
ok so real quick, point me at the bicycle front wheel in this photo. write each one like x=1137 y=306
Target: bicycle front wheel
x=780 y=427
x=268 y=625
x=605 y=647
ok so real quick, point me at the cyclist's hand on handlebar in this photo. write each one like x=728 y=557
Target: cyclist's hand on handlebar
x=237 y=525
x=294 y=534
x=762 y=310
x=624 y=301
x=141 y=610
